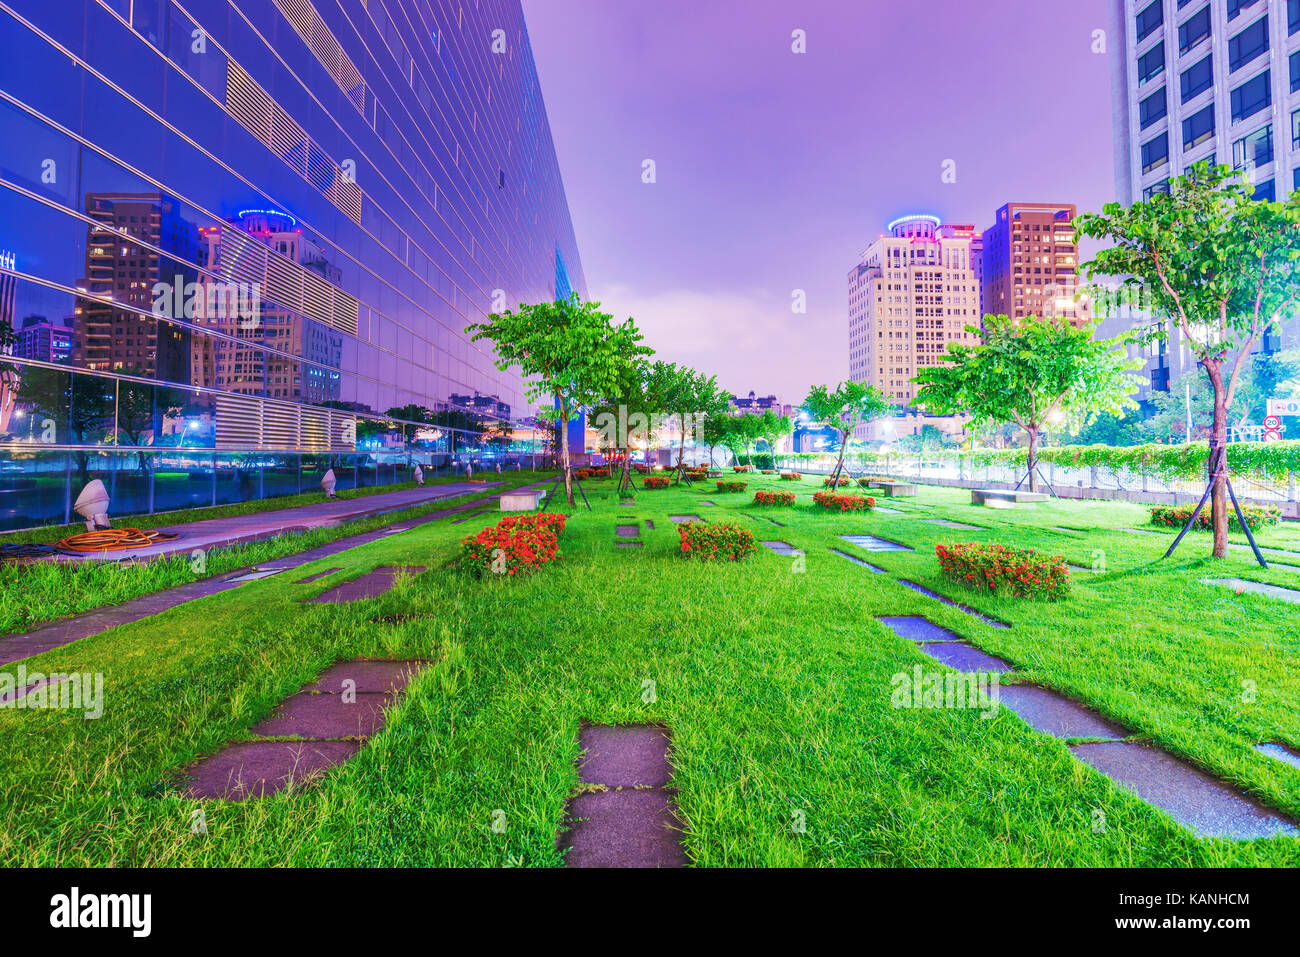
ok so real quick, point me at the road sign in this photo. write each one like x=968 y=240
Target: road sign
x=1272 y=423
x=1284 y=406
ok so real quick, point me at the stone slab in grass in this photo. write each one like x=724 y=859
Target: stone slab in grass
x=958 y=525
x=858 y=561
x=873 y=544
x=1056 y=714
x=624 y=757
x=255 y=769
x=679 y=519
x=307 y=715
x=770 y=521
x=888 y=511
x=710 y=504
x=628 y=544
x=649 y=523
x=256 y=575
x=1193 y=798
x=782 y=548
x=627 y=531
x=1256 y=588
x=965 y=658
x=319 y=575
x=630 y=828
x=914 y=628
x=1279 y=752
x=368 y=676
x=370 y=585
x=952 y=604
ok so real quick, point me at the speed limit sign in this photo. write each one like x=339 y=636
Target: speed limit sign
x=1272 y=423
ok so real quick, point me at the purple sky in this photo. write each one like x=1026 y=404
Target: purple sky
x=775 y=170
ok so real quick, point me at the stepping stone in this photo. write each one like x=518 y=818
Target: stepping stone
x=1280 y=752
x=917 y=629
x=1256 y=588
x=627 y=531
x=1191 y=797
x=311 y=578
x=1062 y=528
x=369 y=585
x=307 y=715
x=679 y=519
x=18 y=694
x=952 y=604
x=858 y=561
x=624 y=757
x=873 y=544
x=782 y=548
x=256 y=575
x=965 y=658
x=630 y=821
x=764 y=518
x=257 y=769
x=370 y=676
x=1143 y=531
x=1057 y=715
x=628 y=544
x=624 y=829
x=707 y=503
x=958 y=525
x=887 y=511
x=649 y=523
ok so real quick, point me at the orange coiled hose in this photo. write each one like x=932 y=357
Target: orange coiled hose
x=112 y=540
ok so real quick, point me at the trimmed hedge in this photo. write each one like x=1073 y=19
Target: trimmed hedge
x=996 y=568
x=1176 y=516
x=774 y=498
x=722 y=541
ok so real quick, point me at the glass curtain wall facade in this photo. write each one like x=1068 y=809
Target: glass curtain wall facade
x=259 y=228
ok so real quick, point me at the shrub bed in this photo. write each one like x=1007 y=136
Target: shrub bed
x=843 y=503
x=791 y=476
x=830 y=482
x=510 y=549
x=742 y=468
x=768 y=471
x=553 y=521
x=774 y=498
x=1176 y=516
x=732 y=486
x=655 y=481
x=996 y=568
x=592 y=473
x=716 y=542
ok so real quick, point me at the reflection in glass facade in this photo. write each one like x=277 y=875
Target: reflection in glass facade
x=246 y=237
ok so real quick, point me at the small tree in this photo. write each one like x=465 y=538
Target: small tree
x=698 y=399
x=1034 y=372
x=844 y=408
x=1225 y=267
x=568 y=349
x=771 y=426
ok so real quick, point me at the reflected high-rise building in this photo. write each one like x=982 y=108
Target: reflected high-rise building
x=375 y=175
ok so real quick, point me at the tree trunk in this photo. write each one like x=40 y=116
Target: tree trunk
x=1218 y=439
x=564 y=454
x=681 y=451
x=844 y=447
x=1033 y=459
x=625 y=481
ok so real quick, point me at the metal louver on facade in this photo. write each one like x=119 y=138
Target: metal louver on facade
x=260 y=115
x=245 y=423
x=318 y=37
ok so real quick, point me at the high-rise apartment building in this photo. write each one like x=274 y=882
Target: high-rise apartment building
x=367 y=177
x=1215 y=80
x=915 y=290
x=1031 y=262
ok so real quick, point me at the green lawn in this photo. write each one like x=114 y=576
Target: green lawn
x=776 y=685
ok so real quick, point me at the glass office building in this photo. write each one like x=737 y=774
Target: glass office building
x=256 y=231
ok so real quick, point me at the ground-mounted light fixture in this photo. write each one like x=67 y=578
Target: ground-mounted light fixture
x=327 y=483
x=92 y=505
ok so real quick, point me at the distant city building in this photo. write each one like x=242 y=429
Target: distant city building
x=915 y=290
x=43 y=341
x=1031 y=262
x=756 y=403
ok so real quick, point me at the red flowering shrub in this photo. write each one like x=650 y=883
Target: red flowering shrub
x=641 y=467
x=768 y=471
x=718 y=542
x=554 y=521
x=791 y=476
x=655 y=481
x=732 y=486
x=774 y=498
x=589 y=473
x=511 y=550
x=829 y=481
x=1176 y=516
x=742 y=468
x=844 y=503
x=1022 y=572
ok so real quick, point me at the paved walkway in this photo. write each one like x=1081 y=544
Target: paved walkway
x=17 y=646
x=241 y=529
